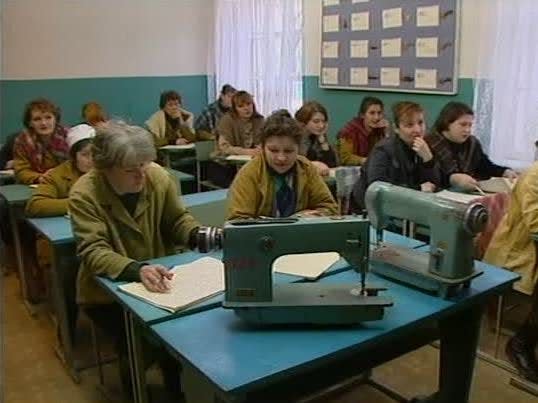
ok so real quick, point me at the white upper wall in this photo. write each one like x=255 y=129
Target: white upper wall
x=468 y=32
x=105 y=38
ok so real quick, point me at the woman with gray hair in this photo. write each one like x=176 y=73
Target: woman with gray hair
x=124 y=212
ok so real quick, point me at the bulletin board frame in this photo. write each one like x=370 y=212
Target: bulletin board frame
x=441 y=69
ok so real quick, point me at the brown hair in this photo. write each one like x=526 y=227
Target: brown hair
x=404 y=110
x=93 y=113
x=42 y=105
x=281 y=124
x=240 y=98
x=451 y=112
x=369 y=101
x=305 y=113
x=169 y=96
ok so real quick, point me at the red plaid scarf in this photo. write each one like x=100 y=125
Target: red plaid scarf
x=28 y=144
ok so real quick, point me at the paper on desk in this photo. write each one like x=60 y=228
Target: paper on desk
x=497 y=185
x=178 y=147
x=33 y=185
x=237 y=157
x=192 y=283
x=457 y=197
x=307 y=265
x=9 y=172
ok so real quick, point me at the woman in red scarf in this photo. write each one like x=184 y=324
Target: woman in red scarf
x=42 y=145
x=362 y=133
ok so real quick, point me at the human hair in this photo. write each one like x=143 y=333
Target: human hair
x=118 y=144
x=241 y=98
x=405 y=110
x=79 y=145
x=451 y=112
x=42 y=105
x=169 y=96
x=309 y=109
x=227 y=89
x=369 y=101
x=93 y=113
x=281 y=124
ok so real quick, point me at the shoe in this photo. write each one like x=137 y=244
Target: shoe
x=522 y=356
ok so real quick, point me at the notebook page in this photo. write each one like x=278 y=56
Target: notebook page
x=307 y=265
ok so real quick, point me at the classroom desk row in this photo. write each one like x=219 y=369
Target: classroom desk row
x=224 y=359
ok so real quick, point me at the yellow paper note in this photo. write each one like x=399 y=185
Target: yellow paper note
x=329 y=75
x=330 y=50
x=331 y=23
x=426 y=78
x=392 y=18
x=428 y=16
x=391 y=47
x=427 y=47
x=390 y=76
x=360 y=21
x=358 y=76
x=358 y=48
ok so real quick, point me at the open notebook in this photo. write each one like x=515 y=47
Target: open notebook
x=464 y=198
x=178 y=147
x=307 y=265
x=192 y=283
x=497 y=185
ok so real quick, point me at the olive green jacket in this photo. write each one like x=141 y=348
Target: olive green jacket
x=51 y=196
x=252 y=193
x=109 y=238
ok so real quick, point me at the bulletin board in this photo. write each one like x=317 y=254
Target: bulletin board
x=390 y=45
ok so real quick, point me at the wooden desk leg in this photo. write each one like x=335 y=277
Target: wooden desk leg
x=459 y=342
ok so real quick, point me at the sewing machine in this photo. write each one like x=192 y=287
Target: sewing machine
x=251 y=246
x=449 y=264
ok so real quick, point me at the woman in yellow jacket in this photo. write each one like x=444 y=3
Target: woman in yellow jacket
x=514 y=247
x=52 y=194
x=279 y=182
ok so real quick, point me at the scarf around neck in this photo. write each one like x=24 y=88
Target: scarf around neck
x=28 y=144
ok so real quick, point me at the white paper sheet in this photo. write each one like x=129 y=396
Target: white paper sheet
x=360 y=1
x=329 y=75
x=331 y=23
x=428 y=16
x=464 y=198
x=497 y=185
x=330 y=50
x=358 y=76
x=327 y=3
x=390 y=76
x=426 y=78
x=358 y=48
x=360 y=21
x=239 y=157
x=307 y=265
x=392 y=18
x=178 y=147
x=427 y=47
x=391 y=47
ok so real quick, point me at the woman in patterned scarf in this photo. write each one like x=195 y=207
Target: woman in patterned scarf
x=42 y=145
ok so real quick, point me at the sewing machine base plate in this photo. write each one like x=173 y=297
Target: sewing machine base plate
x=312 y=303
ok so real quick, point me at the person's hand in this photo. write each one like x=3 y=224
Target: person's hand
x=464 y=181
x=322 y=168
x=427 y=187
x=41 y=179
x=308 y=213
x=156 y=278
x=421 y=148
x=512 y=175
x=382 y=124
x=175 y=113
x=181 y=141
x=9 y=164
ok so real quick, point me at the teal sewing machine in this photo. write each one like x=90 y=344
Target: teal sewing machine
x=449 y=264
x=251 y=246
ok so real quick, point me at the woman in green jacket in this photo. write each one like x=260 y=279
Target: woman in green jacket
x=279 y=182
x=52 y=194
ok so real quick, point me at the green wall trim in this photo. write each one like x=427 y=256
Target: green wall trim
x=130 y=98
x=342 y=105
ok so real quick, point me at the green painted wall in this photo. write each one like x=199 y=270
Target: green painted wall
x=131 y=98
x=342 y=105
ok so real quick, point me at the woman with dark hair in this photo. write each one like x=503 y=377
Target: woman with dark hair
x=459 y=154
x=314 y=119
x=279 y=182
x=42 y=145
x=52 y=194
x=359 y=136
x=403 y=159
x=239 y=130
x=209 y=118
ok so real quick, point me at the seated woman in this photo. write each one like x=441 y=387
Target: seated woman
x=279 y=182
x=315 y=146
x=52 y=195
x=403 y=159
x=239 y=130
x=171 y=124
x=124 y=212
x=42 y=146
x=93 y=114
x=459 y=154
x=208 y=120
x=514 y=247
x=362 y=133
